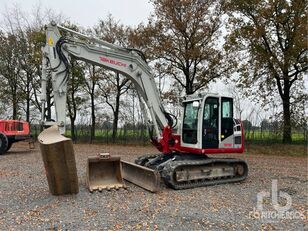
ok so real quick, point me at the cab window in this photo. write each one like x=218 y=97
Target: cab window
x=190 y=123
x=226 y=117
x=227 y=108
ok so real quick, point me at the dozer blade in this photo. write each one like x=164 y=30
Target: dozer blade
x=104 y=172
x=59 y=161
x=141 y=176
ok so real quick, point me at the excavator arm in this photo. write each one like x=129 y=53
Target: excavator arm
x=128 y=62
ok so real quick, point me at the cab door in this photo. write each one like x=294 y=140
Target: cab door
x=210 y=125
x=190 y=124
x=226 y=117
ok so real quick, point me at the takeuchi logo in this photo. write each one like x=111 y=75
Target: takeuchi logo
x=112 y=61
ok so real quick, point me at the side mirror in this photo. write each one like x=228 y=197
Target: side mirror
x=196 y=104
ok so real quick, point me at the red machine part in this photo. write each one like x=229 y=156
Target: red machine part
x=12 y=131
x=170 y=142
x=14 y=127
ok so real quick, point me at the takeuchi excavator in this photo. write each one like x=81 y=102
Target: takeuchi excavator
x=185 y=144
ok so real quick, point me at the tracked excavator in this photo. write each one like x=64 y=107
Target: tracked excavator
x=185 y=144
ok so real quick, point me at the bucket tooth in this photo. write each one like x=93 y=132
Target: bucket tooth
x=59 y=162
x=104 y=172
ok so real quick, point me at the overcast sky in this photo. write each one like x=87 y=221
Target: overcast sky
x=87 y=12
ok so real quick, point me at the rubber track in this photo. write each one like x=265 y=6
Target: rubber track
x=142 y=160
x=169 y=170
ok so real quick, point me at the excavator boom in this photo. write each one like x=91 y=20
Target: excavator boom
x=102 y=173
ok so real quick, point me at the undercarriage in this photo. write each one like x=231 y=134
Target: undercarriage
x=183 y=171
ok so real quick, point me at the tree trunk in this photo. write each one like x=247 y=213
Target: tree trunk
x=28 y=111
x=28 y=97
x=28 y=107
x=116 y=118
x=71 y=106
x=73 y=135
x=287 y=138
x=189 y=87
x=93 y=118
x=14 y=112
x=14 y=107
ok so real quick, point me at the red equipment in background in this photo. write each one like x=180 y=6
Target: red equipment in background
x=12 y=131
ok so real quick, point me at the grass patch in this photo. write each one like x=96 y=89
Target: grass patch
x=277 y=149
x=268 y=137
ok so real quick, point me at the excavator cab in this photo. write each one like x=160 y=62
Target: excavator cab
x=208 y=124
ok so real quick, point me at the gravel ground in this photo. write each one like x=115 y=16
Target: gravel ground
x=26 y=204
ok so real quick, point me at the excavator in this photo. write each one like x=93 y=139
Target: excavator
x=205 y=127
x=13 y=131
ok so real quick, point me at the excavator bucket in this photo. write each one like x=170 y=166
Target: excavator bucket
x=59 y=162
x=104 y=172
x=141 y=176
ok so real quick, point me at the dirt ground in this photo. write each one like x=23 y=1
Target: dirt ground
x=26 y=204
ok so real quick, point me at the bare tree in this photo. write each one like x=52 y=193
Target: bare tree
x=269 y=41
x=113 y=85
x=10 y=72
x=90 y=87
x=182 y=36
x=74 y=98
x=112 y=88
x=28 y=31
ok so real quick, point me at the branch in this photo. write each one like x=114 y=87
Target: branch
x=126 y=89
x=279 y=85
x=277 y=32
x=177 y=79
x=265 y=40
